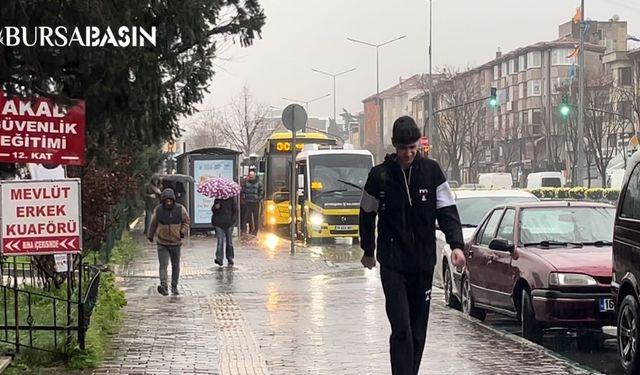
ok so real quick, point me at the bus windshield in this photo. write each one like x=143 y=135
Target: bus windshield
x=337 y=179
x=278 y=174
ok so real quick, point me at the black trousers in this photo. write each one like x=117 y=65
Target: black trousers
x=252 y=216
x=408 y=298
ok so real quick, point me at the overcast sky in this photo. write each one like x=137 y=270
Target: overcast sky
x=303 y=34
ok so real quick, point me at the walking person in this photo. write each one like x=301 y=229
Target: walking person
x=407 y=193
x=151 y=201
x=170 y=222
x=224 y=214
x=252 y=192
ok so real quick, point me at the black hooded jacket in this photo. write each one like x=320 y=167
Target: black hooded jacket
x=224 y=213
x=407 y=204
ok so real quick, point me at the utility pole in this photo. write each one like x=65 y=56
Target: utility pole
x=580 y=149
x=430 y=114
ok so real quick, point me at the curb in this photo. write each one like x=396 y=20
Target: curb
x=524 y=341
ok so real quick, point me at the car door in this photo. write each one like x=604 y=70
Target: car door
x=478 y=256
x=626 y=238
x=499 y=268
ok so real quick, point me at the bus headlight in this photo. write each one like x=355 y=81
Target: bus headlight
x=271 y=207
x=316 y=220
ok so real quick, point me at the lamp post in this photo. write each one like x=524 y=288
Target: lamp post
x=306 y=104
x=381 y=117
x=334 y=75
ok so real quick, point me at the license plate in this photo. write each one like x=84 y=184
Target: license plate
x=606 y=304
x=344 y=227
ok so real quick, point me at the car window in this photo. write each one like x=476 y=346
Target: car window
x=631 y=204
x=505 y=231
x=490 y=227
x=473 y=209
x=566 y=224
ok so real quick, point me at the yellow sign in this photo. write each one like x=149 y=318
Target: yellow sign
x=316 y=185
x=286 y=146
x=634 y=141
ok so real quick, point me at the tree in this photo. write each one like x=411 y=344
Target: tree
x=454 y=125
x=247 y=123
x=206 y=131
x=135 y=95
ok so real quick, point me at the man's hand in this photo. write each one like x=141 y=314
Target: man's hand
x=150 y=239
x=457 y=258
x=368 y=262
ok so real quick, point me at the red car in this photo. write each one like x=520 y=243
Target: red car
x=547 y=264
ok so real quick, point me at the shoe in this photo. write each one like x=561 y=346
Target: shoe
x=218 y=262
x=174 y=291
x=163 y=290
x=230 y=263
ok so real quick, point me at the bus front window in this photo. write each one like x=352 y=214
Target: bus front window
x=337 y=179
x=278 y=175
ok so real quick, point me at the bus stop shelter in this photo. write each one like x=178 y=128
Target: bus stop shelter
x=202 y=164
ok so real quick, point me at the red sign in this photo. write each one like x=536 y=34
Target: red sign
x=40 y=217
x=39 y=131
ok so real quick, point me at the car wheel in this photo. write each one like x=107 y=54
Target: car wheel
x=628 y=335
x=467 y=301
x=449 y=298
x=530 y=328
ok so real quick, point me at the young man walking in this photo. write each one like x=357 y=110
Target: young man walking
x=171 y=222
x=407 y=193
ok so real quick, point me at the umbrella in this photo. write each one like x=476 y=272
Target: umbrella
x=219 y=188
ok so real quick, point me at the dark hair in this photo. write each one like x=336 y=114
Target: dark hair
x=405 y=131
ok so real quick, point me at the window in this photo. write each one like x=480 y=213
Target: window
x=534 y=88
x=506 y=225
x=510 y=95
x=534 y=59
x=504 y=69
x=624 y=76
x=525 y=117
x=513 y=66
x=473 y=209
x=523 y=90
x=566 y=224
x=490 y=228
x=522 y=63
x=558 y=83
x=626 y=108
x=496 y=71
x=631 y=204
x=536 y=117
x=559 y=56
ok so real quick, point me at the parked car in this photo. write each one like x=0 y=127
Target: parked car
x=471 y=187
x=547 y=264
x=472 y=207
x=496 y=180
x=545 y=179
x=626 y=266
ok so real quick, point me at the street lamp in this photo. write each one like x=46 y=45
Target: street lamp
x=377 y=47
x=306 y=102
x=332 y=75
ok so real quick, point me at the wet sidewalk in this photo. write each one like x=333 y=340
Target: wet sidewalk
x=318 y=312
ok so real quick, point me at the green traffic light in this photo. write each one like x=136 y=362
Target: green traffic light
x=565 y=110
x=493 y=102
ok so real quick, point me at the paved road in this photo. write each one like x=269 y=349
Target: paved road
x=317 y=312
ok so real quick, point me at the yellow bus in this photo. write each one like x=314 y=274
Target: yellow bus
x=275 y=168
x=331 y=181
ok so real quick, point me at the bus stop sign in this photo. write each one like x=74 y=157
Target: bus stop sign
x=294 y=117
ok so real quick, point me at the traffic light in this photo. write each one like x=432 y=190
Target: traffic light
x=565 y=107
x=493 y=98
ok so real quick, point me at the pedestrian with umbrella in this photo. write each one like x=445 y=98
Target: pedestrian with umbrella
x=224 y=214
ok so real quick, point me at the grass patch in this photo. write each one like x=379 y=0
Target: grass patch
x=106 y=320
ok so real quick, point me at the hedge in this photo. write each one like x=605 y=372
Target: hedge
x=578 y=193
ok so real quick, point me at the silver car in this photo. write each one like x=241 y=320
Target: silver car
x=473 y=205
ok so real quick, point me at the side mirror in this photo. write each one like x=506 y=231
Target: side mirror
x=500 y=244
x=301 y=181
